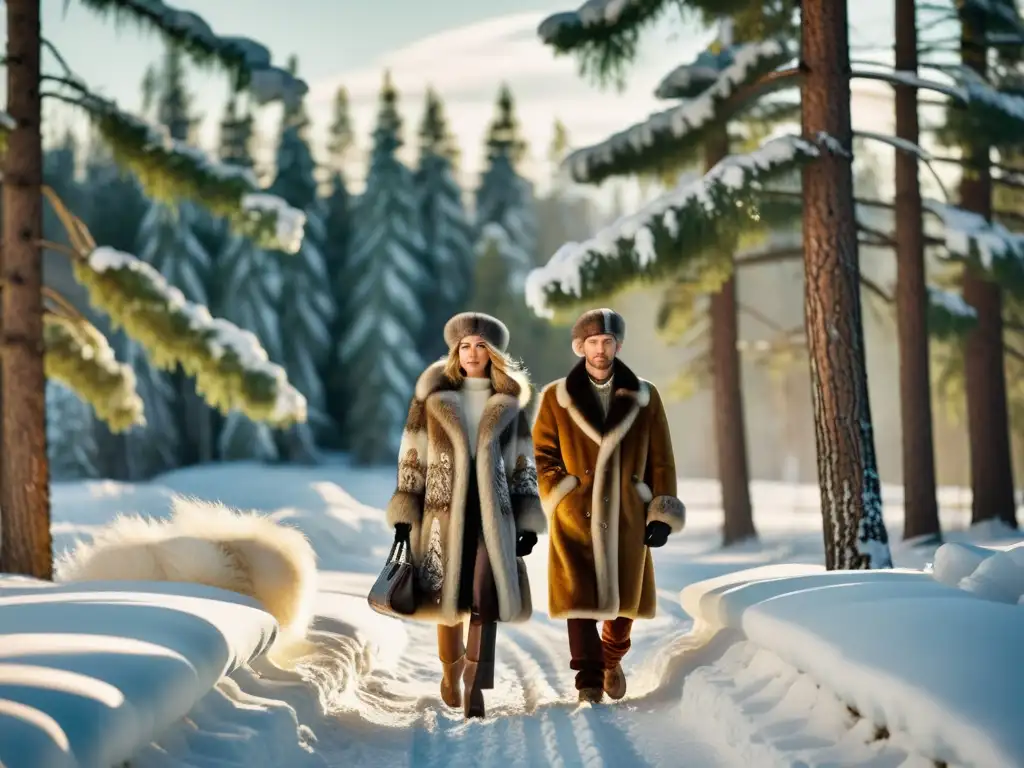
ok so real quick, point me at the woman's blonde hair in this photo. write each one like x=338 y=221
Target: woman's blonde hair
x=503 y=368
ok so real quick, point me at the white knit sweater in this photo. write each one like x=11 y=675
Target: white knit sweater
x=474 y=395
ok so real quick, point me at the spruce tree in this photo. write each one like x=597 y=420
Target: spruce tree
x=337 y=246
x=447 y=234
x=70 y=441
x=230 y=372
x=246 y=281
x=168 y=241
x=306 y=306
x=504 y=197
x=380 y=349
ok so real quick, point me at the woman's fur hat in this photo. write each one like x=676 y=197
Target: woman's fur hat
x=491 y=329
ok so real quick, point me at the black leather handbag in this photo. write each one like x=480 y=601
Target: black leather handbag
x=394 y=592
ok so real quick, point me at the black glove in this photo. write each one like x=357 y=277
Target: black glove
x=526 y=542
x=402 y=531
x=657 y=534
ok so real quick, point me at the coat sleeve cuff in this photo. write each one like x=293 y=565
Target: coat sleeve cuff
x=529 y=514
x=405 y=507
x=668 y=510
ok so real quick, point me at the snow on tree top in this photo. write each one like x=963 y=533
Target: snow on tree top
x=564 y=272
x=219 y=336
x=589 y=163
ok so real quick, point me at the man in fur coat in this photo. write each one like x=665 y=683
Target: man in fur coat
x=607 y=481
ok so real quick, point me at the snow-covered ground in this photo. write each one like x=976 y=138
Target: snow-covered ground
x=739 y=689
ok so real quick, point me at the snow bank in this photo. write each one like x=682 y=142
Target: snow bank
x=927 y=661
x=89 y=674
x=992 y=573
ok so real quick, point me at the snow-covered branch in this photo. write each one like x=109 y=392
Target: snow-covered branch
x=680 y=129
x=231 y=367
x=79 y=356
x=597 y=18
x=969 y=235
x=247 y=59
x=681 y=228
x=171 y=170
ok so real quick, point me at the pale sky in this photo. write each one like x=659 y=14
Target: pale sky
x=464 y=48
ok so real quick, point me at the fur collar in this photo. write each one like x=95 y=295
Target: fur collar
x=575 y=389
x=434 y=380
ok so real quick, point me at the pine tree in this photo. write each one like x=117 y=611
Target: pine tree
x=306 y=306
x=689 y=236
x=380 y=348
x=337 y=247
x=505 y=198
x=168 y=241
x=447 y=233
x=70 y=441
x=173 y=331
x=246 y=280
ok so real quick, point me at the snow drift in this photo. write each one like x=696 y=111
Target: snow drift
x=206 y=543
x=935 y=665
x=91 y=673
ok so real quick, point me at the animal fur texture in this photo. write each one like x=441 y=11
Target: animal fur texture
x=207 y=543
x=433 y=481
x=602 y=479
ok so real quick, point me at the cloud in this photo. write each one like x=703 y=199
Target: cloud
x=466 y=65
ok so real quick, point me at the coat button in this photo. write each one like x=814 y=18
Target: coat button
x=586 y=472
x=605 y=526
x=586 y=514
x=605 y=499
x=635 y=478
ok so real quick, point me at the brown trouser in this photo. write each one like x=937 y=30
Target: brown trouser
x=481 y=594
x=592 y=653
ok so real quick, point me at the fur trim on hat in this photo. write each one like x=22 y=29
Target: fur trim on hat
x=596 y=322
x=491 y=329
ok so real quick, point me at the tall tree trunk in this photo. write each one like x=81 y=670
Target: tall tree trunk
x=851 y=502
x=25 y=545
x=921 y=509
x=730 y=426
x=988 y=420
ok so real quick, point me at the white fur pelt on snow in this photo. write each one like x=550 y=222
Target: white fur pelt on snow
x=207 y=543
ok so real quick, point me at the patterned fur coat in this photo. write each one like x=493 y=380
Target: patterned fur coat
x=433 y=479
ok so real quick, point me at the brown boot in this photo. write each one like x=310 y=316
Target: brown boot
x=473 y=700
x=451 y=683
x=479 y=674
x=591 y=695
x=452 y=652
x=615 y=682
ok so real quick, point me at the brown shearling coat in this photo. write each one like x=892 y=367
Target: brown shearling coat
x=601 y=481
x=432 y=489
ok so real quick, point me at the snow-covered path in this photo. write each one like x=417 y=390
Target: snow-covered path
x=369 y=694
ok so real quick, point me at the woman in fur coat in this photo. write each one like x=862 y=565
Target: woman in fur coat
x=467 y=499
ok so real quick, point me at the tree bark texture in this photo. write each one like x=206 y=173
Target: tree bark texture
x=988 y=418
x=921 y=516
x=851 y=502
x=25 y=545
x=730 y=424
